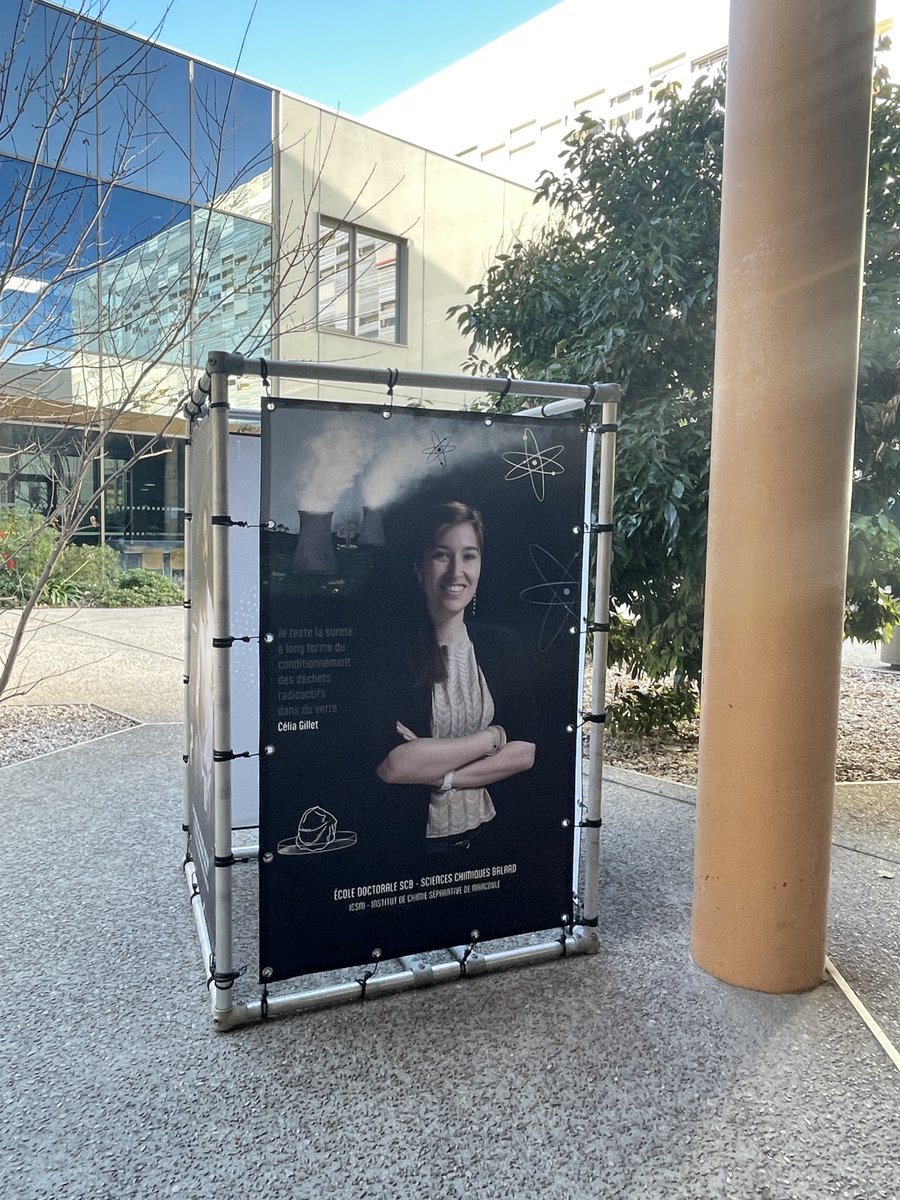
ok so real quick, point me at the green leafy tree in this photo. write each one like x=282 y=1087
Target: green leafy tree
x=621 y=286
x=873 y=582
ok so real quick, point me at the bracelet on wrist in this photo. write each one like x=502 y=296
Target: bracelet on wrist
x=501 y=739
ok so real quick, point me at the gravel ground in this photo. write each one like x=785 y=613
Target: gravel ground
x=868 y=734
x=27 y=731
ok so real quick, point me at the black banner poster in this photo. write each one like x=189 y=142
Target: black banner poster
x=421 y=603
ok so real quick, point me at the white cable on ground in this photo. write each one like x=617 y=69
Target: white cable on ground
x=874 y=1028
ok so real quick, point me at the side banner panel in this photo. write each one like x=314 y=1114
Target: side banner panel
x=200 y=689
x=396 y=815
x=243 y=567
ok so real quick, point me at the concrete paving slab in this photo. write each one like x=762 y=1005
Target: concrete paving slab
x=867 y=817
x=127 y=659
x=630 y=1074
x=864 y=934
x=864 y=902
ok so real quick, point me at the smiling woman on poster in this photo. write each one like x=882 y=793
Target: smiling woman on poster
x=463 y=683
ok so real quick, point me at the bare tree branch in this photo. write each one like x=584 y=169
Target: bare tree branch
x=103 y=317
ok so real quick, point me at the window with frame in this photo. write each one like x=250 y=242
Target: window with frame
x=360 y=279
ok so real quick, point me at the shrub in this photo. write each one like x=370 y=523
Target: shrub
x=141 y=588
x=652 y=708
x=85 y=574
x=25 y=544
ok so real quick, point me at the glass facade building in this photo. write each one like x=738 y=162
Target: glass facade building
x=135 y=235
x=154 y=207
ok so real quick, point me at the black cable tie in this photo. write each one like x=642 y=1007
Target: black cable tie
x=219 y=404
x=185 y=759
x=392 y=376
x=226 y=979
x=225 y=643
x=562 y=941
x=185 y=829
x=365 y=979
x=228 y=755
x=462 y=961
x=592 y=392
x=587 y=823
x=502 y=396
x=606 y=427
x=185 y=604
x=589 y=922
x=264 y=372
x=232 y=524
x=185 y=679
x=597 y=627
x=596 y=527
x=223 y=860
x=590 y=718
x=188 y=516
x=264 y=1004
x=222 y=979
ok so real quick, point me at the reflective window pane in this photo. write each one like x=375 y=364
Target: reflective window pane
x=144 y=116
x=233 y=262
x=48 y=245
x=40 y=466
x=359 y=275
x=334 y=277
x=144 y=387
x=232 y=143
x=50 y=94
x=376 y=287
x=145 y=277
x=143 y=504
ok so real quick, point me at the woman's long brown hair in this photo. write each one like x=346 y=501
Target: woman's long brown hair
x=429 y=662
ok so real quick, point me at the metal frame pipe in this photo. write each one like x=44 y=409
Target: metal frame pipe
x=221 y=662
x=350 y=992
x=222 y=363
x=190 y=875
x=213 y=388
x=186 y=700
x=558 y=408
x=605 y=498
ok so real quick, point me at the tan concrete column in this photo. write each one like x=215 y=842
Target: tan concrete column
x=796 y=151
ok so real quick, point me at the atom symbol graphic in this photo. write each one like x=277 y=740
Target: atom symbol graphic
x=558 y=592
x=535 y=463
x=439 y=449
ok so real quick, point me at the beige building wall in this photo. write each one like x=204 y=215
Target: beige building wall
x=508 y=105
x=452 y=218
